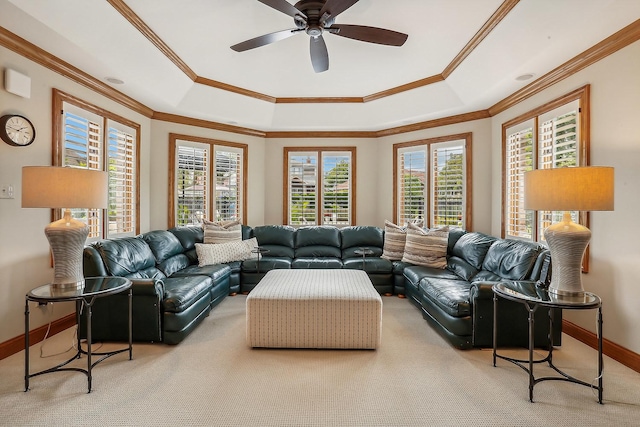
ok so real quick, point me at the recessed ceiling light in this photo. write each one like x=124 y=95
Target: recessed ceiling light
x=524 y=77
x=114 y=80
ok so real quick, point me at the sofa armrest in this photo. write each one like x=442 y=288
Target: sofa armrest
x=153 y=287
x=481 y=290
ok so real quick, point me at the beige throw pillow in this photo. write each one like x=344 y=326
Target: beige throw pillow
x=394 y=240
x=221 y=231
x=221 y=253
x=426 y=247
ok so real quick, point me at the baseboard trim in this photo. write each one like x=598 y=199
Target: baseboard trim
x=618 y=353
x=16 y=344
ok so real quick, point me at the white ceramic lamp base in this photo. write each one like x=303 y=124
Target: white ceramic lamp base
x=67 y=237
x=567 y=243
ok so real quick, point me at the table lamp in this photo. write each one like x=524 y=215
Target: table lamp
x=588 y=188
x=65 y=188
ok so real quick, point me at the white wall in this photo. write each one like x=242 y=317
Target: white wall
x=615 y=141
x=24 y=249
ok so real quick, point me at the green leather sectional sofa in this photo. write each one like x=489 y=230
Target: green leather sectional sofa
x=172 y=294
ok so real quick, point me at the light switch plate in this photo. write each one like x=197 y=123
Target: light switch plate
x=6 y=192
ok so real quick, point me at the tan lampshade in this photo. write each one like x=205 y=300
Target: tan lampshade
x=587 y=188
x=63 y=187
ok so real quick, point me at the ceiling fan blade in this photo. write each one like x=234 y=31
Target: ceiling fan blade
x=319 y=54
x=283 y=6
x=263 y=40
x=336 y=7
x=370 y=34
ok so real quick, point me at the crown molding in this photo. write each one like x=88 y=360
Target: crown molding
x=613 y=43
x=30 y=51
x=207 y=124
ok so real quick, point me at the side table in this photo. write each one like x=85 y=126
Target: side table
x=364 y=252
x=533 y=297
x=260 y=251
x=84 y=297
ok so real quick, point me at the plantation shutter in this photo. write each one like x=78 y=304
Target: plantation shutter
x=303 y=176
x=336 y=183
x=519 y=159
x=121 y=212
x=228 y=180
x=558 y=147
x=447 y=181
x=82 y=148
x=412 y=184
x=192 y=183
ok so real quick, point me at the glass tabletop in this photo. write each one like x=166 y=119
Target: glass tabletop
x=93 y=286
x=527 y=291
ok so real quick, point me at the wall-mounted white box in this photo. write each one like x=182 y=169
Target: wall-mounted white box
x=17 y=83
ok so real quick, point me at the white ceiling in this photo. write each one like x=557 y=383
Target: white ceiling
x=535 y=37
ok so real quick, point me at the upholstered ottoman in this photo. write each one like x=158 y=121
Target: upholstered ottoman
x=314 y=309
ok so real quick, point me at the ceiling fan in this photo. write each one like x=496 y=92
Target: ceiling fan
x=315 y=17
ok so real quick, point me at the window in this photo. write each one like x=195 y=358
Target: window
x=91 y=138
x=431 y=181
x=552 y=136
x=209 y=180
x=320 y=186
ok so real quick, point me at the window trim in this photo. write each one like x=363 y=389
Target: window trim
x=582 y=96
x=320 y=183
x=467 y=137
x=173 y=138
x=58 y=99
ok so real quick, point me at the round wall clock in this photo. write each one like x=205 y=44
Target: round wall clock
x=17 y=130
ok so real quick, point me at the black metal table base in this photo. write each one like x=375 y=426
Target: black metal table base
x=527 y=365
x=62 y=367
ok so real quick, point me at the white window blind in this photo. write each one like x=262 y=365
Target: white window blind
x=519 y=159
x=121 y=211
x=549 y=140
x=228 y=178
x=302 y=183
x=336 y=183
x=448 y=184
x=411 y=184
x=558 y=147
x=192 y=183
x=82 y=148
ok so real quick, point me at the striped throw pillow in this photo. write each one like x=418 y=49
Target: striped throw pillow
x=221 y=231
x=394 y=239
x=426 y=247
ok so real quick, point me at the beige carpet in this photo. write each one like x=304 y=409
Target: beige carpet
x=213 y=379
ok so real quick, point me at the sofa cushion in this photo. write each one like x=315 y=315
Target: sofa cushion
x=415 y=273
x=267 y=263
x=174 y=264
x=426 y=247
x=221 y=231
x=318 y=241
x=181 y=292
x=216 y=271
x=461 y=268
x=128 y=257
x=163 y=244
x=394 y=241
x=473 y=247
x=220 y=253
x=511 y=259
x=188 y=235
x=278 y=239
x=452 y=296
x=372 y=264
x=314 y=262
x=355 y=237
